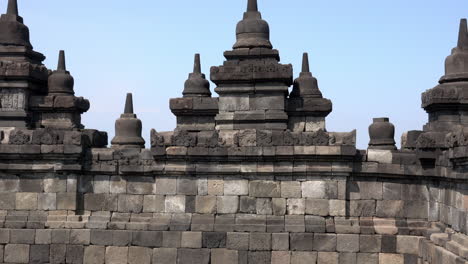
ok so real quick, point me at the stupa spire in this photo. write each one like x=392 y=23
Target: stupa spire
x=196 y=85
x=252 y=31
x=129 y=104
x=305 y=62
x=197 y=64
x=128 y=128
x=12 y=7
x=252 y=6
x=61 y=66
x=463 y=35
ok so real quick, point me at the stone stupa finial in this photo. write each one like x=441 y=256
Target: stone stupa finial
x=305 y=85
x=252 y=31
x=60 y=81
x=128 y=128
x=456 y=65
x=252 y=6
x=12 y=8
x=196 y=85
x=463 y=35
x=14 y=32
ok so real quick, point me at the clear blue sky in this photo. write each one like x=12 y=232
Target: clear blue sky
x=372 y=58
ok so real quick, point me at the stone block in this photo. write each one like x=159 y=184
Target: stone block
x=224 y=256
x=153 y=204
x=172 y=239
x=314 y=189
x=101 y=184
x=78 y=236
x=280 y=257
x=22 y=236
x=362 y=208
x=117 y=255
x=325 y=242
x=74 y=254
x=327 y=258
x=147 y=238
x=7 y=201
x=43 y=236
x=31 y=184
x=264 y=206
x=266 y=189
x=294 y=223
x=347 y=243
x=94 y=255
x=279 y=206
x=391 y=258
x=280 y=241
x=16 y=253
x=302 y=257
x=205 y=204
x=215 y=186
x=291 y=189
x=187 y=186
x=368 y=258
x=227 y=204
x=117 y=184
x=370 y=190
x=248 y=204
x=39 y=254
x=130 y=203
x=4 y=236
x=392 y=191
x=140 y=185
x=317 y=207
x=166 y=185
x=301 y=241
x=9 y=183
x=295 y=206
x=408 y=245
x=121 y=237
x=237 y=241
x=199 y=256
x=58 y=253
x=164 y=256
x=139 y=255
x=315 y=224
x=370 y=243
x=101 y=237
x=47 y=201
x=191 y=240
x=260 y=241
x=66 y=201
x=26 y=201
x=259 y=257
x=347 y=258
x=202 y=185
x=390 y=208
x=236 y=187
x=337 y=207
x=388 y=244
x=175 y=204
x=213 y=239
x=60 y=236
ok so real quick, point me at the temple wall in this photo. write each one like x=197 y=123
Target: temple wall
x=171 y=217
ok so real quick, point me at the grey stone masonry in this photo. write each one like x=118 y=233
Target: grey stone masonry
x=251 y=176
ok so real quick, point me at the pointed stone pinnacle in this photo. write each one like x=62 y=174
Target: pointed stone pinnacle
x=197 y=64
x=252 y=6
x=305 y=62
x=61 y=61
x=12 y=7
x=463 y=34
x=129 y=104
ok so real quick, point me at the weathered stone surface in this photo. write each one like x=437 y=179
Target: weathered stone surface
x=164 y=255
x=94 y=254
x=116 y=255
x=137 y=255
x=201 y=256
x=16 y=253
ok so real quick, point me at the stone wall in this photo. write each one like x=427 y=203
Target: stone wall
x=332 y=215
